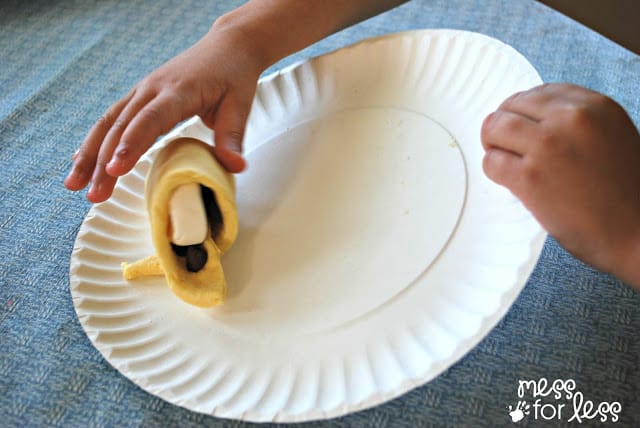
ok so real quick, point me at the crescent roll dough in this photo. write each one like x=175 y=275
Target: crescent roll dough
x=184 y=161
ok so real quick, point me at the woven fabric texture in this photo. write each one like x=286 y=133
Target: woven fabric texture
x=62 y=63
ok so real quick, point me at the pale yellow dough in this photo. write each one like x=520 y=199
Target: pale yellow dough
x=187 y=160
x=149 y=266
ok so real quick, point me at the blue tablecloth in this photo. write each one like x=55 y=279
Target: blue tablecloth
x=62 y=63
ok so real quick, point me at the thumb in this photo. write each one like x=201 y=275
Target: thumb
x=229 y=125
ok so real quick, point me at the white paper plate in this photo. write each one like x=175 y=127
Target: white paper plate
x=373 y=253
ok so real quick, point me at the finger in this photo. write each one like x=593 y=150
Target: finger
x=229 y=126
x=128 y=114
x=502 y=167
x=508 y=131
x=85 y=158
x=529 y=104
x=544 y=100
x=156 y=118
x=102 y=183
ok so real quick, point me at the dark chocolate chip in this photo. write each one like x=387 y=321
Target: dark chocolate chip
x=214 y=216
x=196 y=257
x=180 y=250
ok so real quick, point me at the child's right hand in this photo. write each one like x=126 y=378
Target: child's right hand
x=215 y=79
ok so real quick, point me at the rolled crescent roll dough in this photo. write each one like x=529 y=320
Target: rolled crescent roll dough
x=183 y=161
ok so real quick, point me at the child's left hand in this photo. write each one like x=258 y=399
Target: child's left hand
x=573 y=157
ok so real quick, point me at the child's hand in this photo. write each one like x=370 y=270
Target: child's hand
x=215 y=79
x=573 y=157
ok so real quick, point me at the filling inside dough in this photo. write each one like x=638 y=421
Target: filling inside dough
x=214 y=216
x=194 y=221
x=193 y=256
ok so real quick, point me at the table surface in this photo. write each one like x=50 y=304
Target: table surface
x=63 y=63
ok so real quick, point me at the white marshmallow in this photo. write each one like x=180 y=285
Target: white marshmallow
x=187 y=215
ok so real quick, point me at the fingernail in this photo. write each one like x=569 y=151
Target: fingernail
x=94 y=189
x=234 y=146
x=121 y=153
x=117 y=158
x=68 y=178
x=75 y=173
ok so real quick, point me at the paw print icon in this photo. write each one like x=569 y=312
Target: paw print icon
x=521 y=410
